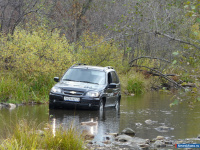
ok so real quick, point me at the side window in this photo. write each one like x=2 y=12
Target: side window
x=114 y=77
x=109 y=78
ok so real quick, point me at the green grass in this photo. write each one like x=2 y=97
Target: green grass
x=135 y=83
x=29 y=136
x=16 y=90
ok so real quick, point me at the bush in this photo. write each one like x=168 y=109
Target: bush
x=135 y=85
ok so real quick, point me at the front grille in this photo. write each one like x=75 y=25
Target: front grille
x=74 y=93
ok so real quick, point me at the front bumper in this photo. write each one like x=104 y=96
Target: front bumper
x=57 y=101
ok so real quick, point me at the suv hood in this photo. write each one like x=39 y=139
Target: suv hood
x=80 y=86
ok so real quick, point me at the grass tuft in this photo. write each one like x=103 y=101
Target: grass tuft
x=29 y=136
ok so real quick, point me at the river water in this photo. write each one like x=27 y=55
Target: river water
x=183 y=121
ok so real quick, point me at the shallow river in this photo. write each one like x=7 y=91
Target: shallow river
x=134 y=111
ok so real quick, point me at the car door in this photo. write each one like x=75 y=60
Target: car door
x=116 y=90
x=112 y=92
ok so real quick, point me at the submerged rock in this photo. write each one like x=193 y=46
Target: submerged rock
x=164 y=129
x=150 y=122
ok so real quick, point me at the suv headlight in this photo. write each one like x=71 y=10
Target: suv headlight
x=56 y=90
x=93 y=94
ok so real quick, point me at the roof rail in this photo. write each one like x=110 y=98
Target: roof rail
x=78 y=64
x=109 y=67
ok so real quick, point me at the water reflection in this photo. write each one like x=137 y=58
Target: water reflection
x=92 y=122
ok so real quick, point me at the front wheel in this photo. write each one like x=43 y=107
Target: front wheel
x=51 y=105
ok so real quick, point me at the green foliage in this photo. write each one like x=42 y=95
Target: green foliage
x=30 y=60
x=93 y=50
x=29 y=136
x=12 y=89
x=186 y=78
x=135 y=85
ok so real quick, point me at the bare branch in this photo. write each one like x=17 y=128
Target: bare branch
x=175 y=39
x=149 y=58
x=162 y=75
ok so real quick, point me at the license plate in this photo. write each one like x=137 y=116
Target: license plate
x=72 y=99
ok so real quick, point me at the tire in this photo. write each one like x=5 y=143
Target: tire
x=51 y=105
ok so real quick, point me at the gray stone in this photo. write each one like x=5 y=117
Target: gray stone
x=160 y=138
x=128 y=131
x=159 y=143
x=124 y=138
x=144 y=146
x=11 y=106
x=149 y=122
x=198 y=136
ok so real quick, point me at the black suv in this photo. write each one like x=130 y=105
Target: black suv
x=84 y=86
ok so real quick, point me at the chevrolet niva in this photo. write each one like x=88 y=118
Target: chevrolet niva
x=86 y=87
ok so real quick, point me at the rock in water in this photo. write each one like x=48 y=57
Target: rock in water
x=128 y=131
x=12 y=106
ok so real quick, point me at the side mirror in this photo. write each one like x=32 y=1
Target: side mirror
x=112 y=85
x=56 y=79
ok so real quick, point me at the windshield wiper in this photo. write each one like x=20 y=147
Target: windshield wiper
x=88 y=82
x=70 y=80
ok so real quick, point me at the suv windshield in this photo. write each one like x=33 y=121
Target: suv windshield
x=85 y=75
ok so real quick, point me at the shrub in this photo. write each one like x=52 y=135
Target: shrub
x=135 y=85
